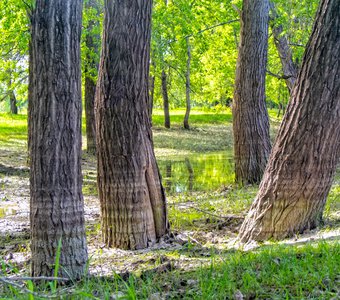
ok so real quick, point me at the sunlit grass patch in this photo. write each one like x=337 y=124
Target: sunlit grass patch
x=13 y=130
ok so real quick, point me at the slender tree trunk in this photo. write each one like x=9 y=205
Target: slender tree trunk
x=133 y=204
x=187 y=87
x=90 y=92
x=152 y=79
x=13 y=103
x=290 y=70
x=250 y=117
x=91 y=68
x=303 y=162
x=56 y=205
x=165 y=100
x=12 y=98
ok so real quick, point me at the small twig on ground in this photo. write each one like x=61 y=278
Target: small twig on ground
x=16 y=278
x=192 y=239
x=23 y=289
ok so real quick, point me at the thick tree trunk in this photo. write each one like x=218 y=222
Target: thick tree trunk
x=165 y=100
x=303 y=162
x=91 y=69
x=13 y=103
x=133 y=204
x=250 y=117
x=187 y=87
x=290 y=70
x=56 y=205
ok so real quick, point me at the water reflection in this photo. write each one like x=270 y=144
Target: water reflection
x=201 y=172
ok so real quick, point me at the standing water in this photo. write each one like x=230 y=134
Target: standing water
x=199 y=172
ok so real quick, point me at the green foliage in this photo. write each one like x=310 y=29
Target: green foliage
x=213 y=31
x=213 y=50
x=14 y=40
x=93 y=15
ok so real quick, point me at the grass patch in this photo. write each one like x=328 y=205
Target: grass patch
x=271 y=272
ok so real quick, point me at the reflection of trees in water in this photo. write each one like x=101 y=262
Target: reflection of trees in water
x=168 y=177
x=197 y=173
x=191 y=174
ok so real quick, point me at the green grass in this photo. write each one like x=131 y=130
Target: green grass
x=272 y=272
x=13 y=130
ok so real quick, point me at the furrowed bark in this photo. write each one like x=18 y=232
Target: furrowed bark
x=250 y=117
x=56 y=201
x=303 y=162
x=133 y=204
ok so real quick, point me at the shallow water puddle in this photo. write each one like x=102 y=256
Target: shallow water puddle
x=199 y=172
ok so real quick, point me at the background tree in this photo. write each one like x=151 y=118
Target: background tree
x=303 y=162
x=289 y=68
x=91 y=51
x=250 y=117
x=56 y=207
x=133 y=204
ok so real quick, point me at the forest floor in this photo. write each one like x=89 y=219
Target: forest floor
x=201 y=258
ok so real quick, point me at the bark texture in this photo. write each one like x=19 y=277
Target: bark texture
x=187 y=87
x=165 y=100
x=303 y=162
x=56 y=201
x=290 y=70
x=250 y=117
x=92 y=41
x=133 y=204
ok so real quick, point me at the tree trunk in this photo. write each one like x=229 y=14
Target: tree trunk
x=165 y=100
x=289 y=69
x=56 y=201
x=152 y=79
x=13 y=103
x=250 y=117
x=303 y=162
x=11 y=94
x=91 y=69
x=90 y=92
x=133 y=204
x=187 y=87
